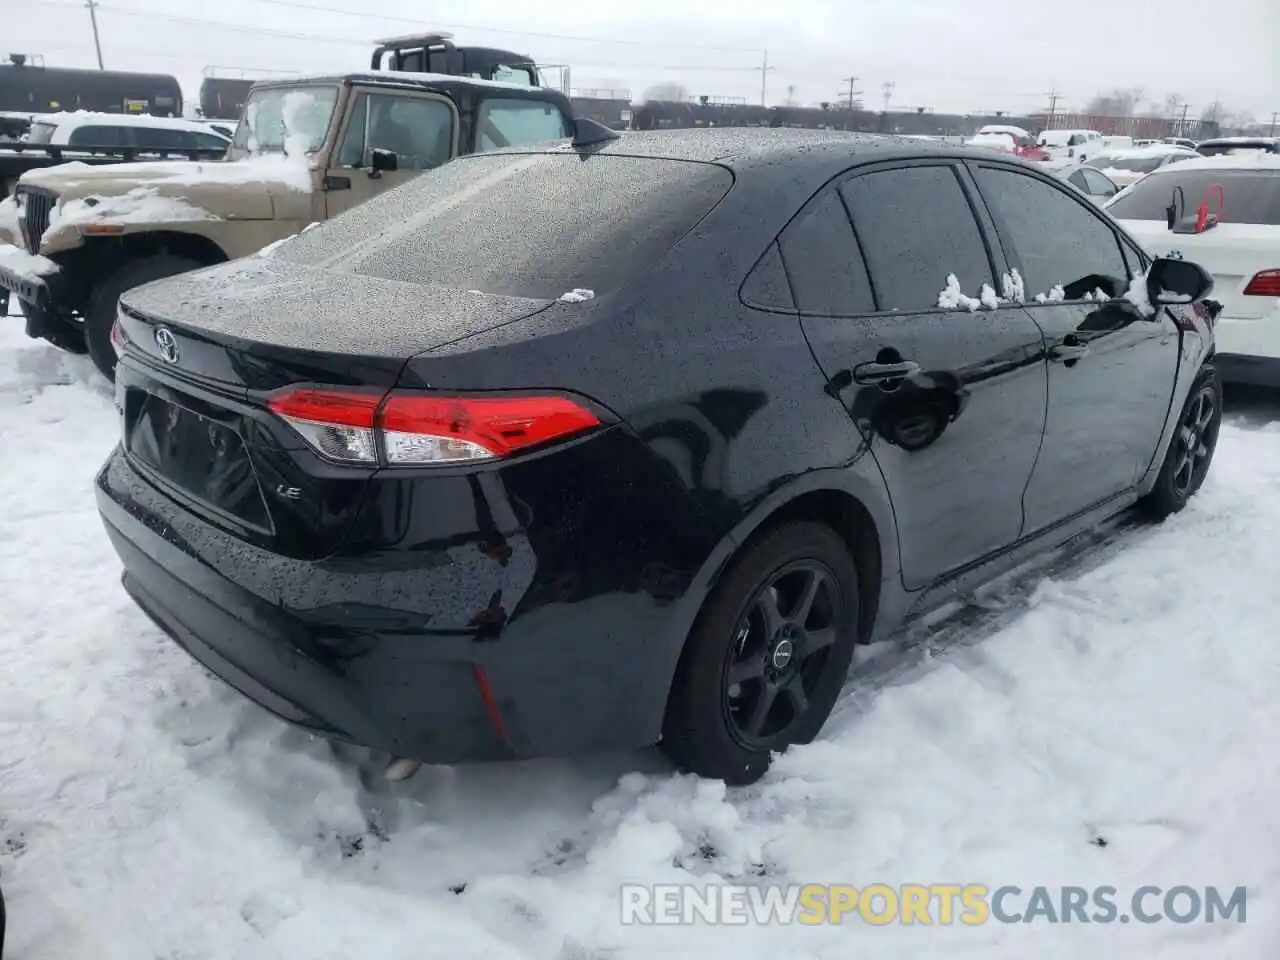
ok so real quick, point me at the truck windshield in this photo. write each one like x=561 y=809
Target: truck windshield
x=292 y=120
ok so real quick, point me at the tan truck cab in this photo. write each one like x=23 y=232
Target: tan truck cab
x=74 y=237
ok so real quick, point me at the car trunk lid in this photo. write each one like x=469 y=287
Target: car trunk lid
x=205 y=352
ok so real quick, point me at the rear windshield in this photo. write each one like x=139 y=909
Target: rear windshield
x=1133 y=164
x=1252 y=196
x=1228 y=149
x=537 y=225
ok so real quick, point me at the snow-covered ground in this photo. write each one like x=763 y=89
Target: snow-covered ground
x=1126 y=693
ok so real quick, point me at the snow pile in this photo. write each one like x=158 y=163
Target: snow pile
x=1056 y=294
x=1137 y=295
x=1013 y=288
x=19 y=261
x=577 y=295
x=274 y=169
x=1090 y=722
x=10 y=217
x=139 y=205
x=952 y=298
x=296 y=103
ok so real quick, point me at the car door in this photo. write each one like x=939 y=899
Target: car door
x=949 y=400
x=1111 y=370
x=420 y=128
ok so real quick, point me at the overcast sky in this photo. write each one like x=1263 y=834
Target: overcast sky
x=949 y=55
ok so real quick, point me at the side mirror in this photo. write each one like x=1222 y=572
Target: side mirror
x=1177 y=281
x=381 y=161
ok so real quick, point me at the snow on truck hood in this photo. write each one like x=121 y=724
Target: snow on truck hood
x=269 y=184
x=259 y=300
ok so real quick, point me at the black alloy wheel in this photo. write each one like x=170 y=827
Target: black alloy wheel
x=779 y=652
x=1190 y=454
x=769 y=654
x=1194 y=441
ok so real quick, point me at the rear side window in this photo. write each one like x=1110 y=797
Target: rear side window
x=1053 y=240
x=512 y=123
x=159 y=138
x=916 y=227
x=98 y=136
x=1252 y=196
x=821 y=255
x=520 y=225
x=41 y=133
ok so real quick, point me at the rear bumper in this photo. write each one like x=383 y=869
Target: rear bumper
x=1248 y=370
x=442 y=654
x=375 y=692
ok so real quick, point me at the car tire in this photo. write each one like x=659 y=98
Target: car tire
x=708 y=729
x=101 y=315
x=1186 y=464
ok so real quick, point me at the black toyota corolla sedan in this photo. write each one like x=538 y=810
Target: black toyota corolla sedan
x=632 y=440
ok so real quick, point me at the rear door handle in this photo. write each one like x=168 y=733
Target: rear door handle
x=880 y=372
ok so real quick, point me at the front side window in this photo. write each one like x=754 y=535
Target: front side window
x=1054 y=240
x=418 y=130
x=916 y=228
x=513 y=123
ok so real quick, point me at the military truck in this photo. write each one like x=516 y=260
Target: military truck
x=73 y=238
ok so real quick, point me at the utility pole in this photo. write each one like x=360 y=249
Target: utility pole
x=851 y=93
x=1274 y=117
x=1182 y=121
x=92 y=5
x=764 y=69
x=1053 y=109
x=888 y=94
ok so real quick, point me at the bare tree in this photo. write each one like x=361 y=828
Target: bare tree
x=669 y=91
x=1173 y=105
x=1115 y=103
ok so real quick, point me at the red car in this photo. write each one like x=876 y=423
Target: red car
x=1024 y=144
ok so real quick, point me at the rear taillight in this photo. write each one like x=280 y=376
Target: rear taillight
x=117 y=338
x=402 y=428
x=1264 y=284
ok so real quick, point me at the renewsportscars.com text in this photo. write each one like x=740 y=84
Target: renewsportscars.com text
x=970 y=904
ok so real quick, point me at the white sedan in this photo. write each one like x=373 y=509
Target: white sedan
x=1223 y=213
x=1124 y=167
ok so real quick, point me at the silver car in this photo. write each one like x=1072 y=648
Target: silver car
x=1094 y=184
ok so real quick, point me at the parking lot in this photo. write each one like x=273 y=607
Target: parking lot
x=1107 y=717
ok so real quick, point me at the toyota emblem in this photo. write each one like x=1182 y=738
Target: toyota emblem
x=167 y=343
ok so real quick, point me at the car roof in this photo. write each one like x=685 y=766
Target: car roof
x=1257 y=160
x=83 y=118
x=422 y=81
x=764 y=149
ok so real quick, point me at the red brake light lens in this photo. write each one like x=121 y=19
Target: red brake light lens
x=117 y=338
x=422 y=429
x=418 y=428
x=1264 y=284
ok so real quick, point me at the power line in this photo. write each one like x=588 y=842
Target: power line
x=347 y=41
x=320 y=8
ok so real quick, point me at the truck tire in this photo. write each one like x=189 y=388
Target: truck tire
x=101 y=314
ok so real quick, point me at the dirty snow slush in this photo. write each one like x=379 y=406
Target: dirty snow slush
x=1123 y=693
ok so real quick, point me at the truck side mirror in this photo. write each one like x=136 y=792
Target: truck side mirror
x=381 y=160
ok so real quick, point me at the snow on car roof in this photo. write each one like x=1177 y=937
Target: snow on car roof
x=81 y=118
x=1253 y=160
